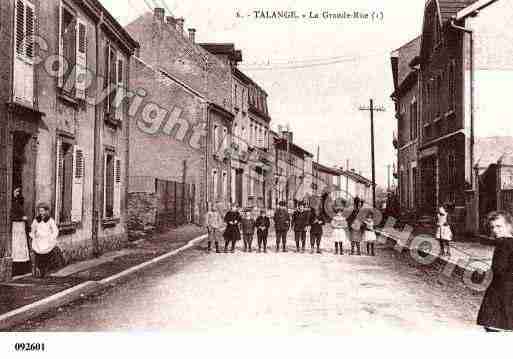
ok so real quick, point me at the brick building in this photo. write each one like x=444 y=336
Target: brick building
x=62 y=141
x=192 y=87
x=406 y=99
x=464 y=58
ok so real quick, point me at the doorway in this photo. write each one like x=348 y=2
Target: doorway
x=23 y=169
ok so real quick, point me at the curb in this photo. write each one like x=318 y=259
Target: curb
x=36 y=309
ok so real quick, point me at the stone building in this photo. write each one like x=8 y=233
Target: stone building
x=63 y=137
x=187 y=140
x=465 y=57
x=407 y=110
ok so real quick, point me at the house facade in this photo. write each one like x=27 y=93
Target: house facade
x=407 y=112
x=64 y=137
x=185 y=123
x=462 y=63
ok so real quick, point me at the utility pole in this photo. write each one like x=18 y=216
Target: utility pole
x=371 y=109
x=317 y=172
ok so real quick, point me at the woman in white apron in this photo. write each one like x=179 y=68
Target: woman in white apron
x=20 y=248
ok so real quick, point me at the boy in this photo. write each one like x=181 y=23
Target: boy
x=262 y=225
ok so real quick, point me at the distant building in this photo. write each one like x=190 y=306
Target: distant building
x=407 y=113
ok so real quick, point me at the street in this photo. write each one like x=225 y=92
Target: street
x=283 y=293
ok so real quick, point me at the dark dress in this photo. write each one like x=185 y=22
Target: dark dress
x=232 y=232
x=17 y=214
x=497 y=307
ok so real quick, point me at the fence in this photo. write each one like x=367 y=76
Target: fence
x=175 y=203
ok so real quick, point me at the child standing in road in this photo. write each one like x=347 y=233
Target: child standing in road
x=443 y=232
x=214 y=223
x=262 y=224
x=339 y=236
x=248 y=230
x=369 y=235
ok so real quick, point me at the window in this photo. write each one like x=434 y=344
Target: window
x=25 y=22
x=73 y=48
x=68 y=182
x=413 y=121
x=111 y=185
x=225 y=185
x=114 y=82
x=215 y=139
x=214 y=185
x=452 y=85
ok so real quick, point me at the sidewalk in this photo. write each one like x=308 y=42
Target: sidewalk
x=463 y=252
x=85 y=277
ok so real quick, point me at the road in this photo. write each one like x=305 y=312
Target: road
x=282 y=293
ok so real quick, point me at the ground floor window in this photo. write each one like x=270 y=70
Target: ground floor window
x=112 y=185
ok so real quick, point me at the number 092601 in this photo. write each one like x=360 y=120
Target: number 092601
x=29 y=347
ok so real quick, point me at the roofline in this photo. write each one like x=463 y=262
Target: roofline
x=472 y=9
x=327 y=169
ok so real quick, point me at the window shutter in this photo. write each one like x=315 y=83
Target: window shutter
x=60 y=78
x=113 y=78
x=105 y=185
x=225 y=138
x=117 y=188
x=78 y=184
x=20 y=27
x=81 y=55
x=215 y=139
x=120 y=86
x=29 y=31
x=58 y=180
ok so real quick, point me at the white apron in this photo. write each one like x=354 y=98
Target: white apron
x=20 y=251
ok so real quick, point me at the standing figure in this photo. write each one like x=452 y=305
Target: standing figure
x=20 y=245
x=443 y=232
x=214 y=224
x=248 y=230
x=300 y=221
x=281 y=226
x=339 y=236
x=262 y=225
x=232 y=232
x=496 y=312
x=44 y=234
x=369 y=235
x=354 y=229
x=316 y=223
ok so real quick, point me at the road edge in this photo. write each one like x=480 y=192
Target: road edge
x=36 y=309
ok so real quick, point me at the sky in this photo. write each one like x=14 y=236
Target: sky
x=319 y=103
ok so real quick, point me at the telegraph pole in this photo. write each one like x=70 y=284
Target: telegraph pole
x=388 y=176
x=371 y=109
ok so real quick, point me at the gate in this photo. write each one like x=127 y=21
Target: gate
x=175 y=206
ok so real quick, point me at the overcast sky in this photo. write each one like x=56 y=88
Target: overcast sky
x=319 y=103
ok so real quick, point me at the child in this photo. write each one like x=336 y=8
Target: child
x=44 y=239
x=339 y=225
x=355 y=231
x=262 y=225
x=214 y=223
x=369 y=236
x=443 y=232
x=248 y=230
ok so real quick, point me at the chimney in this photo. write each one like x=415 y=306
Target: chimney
x=288 y=136
x=171 y=21
x=159 y=14
x=192 y=35
x=179 y=25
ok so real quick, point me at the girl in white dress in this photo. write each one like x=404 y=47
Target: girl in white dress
x=339 y=235
x=369 y=235
x=443 y=232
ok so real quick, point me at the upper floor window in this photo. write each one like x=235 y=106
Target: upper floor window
x=25 y=26
x=114 y=83
x=452 y=85
x=73 y=52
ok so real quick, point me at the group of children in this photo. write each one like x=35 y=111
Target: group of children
x=244 y=227
x=353 y=233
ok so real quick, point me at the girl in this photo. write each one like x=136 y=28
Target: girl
x=44 y=239
x=369 y=236
x=231 y=233
x=339 y=225
x=443 y=232
x=20 y=247
x=214 y=223
x=248 y=230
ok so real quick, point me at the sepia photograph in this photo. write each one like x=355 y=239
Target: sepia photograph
x=285 y=168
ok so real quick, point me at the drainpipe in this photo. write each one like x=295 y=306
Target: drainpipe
x=472 y=105
x=96 y=149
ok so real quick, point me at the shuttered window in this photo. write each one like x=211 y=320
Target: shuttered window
x=112 y=185
x=25 y=29
x=69 y=178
